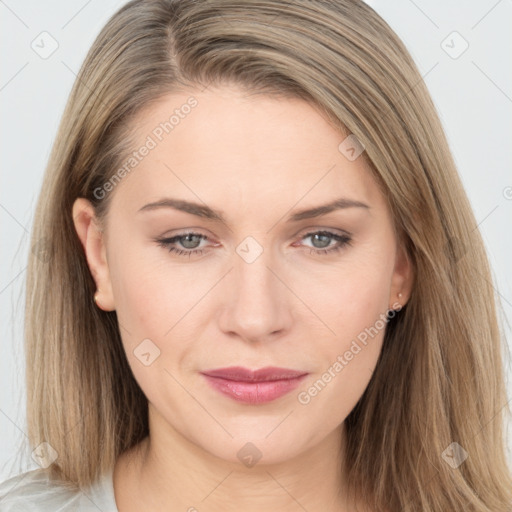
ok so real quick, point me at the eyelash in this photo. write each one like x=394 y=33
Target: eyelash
x=168 y=243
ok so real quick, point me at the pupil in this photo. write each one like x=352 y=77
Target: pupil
x=324 y=240
x=189 y=242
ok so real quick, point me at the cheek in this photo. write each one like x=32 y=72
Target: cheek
x=351 y=296
x=151 y=293
x=345 y=366
x=340 y=384
x=156 y=305
x=354 y=307
x=357 y=328
x=143 y=293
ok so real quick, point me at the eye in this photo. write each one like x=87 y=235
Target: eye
x=322 y=241
x=189 y=241
x=189 y=244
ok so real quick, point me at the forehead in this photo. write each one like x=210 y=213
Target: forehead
x=227 y=146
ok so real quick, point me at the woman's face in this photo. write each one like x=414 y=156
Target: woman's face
x=223 y=250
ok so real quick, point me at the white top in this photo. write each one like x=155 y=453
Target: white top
x=34 y=492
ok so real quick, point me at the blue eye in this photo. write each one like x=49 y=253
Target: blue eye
x=190 y=241
x=324 y=239
x=188 y=244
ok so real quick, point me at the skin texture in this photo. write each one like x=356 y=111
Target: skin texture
x=258 y=160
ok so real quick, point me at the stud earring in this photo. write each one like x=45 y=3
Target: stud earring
x=96 y=298
x=391 y=307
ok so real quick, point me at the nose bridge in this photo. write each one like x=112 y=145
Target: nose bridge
x=257 y=305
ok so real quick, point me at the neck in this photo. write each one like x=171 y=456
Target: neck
x=167 y=470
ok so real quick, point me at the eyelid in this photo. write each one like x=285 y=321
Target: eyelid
x=195 y=230
x=299 y=235
x=319 y=229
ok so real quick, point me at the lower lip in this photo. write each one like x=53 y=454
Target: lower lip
x=254 y=392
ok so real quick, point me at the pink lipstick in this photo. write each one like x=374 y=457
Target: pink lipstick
x=254 y=386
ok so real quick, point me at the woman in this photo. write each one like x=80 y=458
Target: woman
x=259 y=287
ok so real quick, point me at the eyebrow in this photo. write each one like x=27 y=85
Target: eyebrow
x=208 y=213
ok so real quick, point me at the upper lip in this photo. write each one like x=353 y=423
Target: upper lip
x=240 y=374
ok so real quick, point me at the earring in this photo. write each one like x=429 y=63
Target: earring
x=96 y=298
x=391 y=307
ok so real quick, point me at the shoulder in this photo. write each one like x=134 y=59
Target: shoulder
x=33 y=491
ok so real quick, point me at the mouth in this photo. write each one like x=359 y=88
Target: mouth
x=254 y=386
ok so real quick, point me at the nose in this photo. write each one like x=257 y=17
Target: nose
x=256 y=305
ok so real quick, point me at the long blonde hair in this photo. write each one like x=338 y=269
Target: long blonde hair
x=439 y=379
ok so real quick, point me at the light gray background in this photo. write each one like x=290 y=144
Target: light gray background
x=473 y=94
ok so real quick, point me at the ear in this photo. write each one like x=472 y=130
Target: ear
x=91 y=236
x=402 y=279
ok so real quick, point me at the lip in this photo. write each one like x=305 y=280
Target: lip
x=254 y=386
